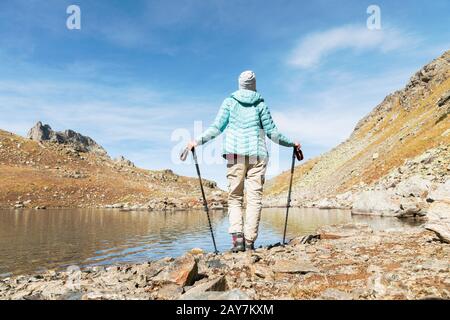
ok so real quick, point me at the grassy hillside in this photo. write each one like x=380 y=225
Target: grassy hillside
x=405 y=125
x=53 y=175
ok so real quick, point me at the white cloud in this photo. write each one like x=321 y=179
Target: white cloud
x=326 y=116
x=316 y=46
x=106 y=113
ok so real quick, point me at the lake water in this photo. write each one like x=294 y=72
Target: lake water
x=33 y=241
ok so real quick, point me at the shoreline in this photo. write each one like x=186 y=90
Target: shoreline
x=349 y=261
x=123 y=207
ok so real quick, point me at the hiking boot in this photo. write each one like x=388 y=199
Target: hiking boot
x=238 y=242
x=249 y=245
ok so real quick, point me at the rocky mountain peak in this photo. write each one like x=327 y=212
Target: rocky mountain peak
x=77 y=141
x=122 y=161
x=418 y=88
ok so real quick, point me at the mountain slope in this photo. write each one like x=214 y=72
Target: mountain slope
x=59 y=174
x=404 y=126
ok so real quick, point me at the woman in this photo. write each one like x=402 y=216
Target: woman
x=247 y=118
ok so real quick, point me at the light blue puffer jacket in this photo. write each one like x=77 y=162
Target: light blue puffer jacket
x=246 y=118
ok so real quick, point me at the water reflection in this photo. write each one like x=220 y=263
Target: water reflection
x=52 y=239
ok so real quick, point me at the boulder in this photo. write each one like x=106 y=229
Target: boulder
x=234 y=294
x=154 y=268
x=170 y=292
x=122 y=161
x=326 y=204
x=411 y=207
x=294 y=267
x=183 y=271
x=40 y=132
x=53 y=290
x=383 y=203
x=262 y=271
x=439 y=220
x=444 y=99
x=216 y=285
x=345 y=199
x=441 y=193
x=414 y=186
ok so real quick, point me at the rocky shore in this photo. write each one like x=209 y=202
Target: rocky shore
x=338 y=262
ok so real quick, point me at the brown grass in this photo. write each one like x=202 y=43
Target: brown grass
x=46 y=181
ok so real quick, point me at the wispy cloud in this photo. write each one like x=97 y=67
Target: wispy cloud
x=326 y=116
x=110 y=113
x=314 y=47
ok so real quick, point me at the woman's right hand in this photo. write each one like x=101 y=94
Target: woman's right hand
x=297 y=145
x=191 y=145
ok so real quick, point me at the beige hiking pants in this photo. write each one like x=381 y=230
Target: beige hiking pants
x=249 y=172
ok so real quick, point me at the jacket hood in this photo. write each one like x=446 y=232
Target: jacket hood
x=247 y=97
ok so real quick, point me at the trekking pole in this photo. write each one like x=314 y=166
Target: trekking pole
x=205 y=203
x=297 y=153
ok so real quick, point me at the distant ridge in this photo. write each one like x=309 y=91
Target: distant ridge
x=69 y=170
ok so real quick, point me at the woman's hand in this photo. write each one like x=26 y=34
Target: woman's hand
x=191 y=145
x=297 y=145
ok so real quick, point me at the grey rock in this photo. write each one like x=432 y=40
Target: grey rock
x=216 y=285
x=383 y=203
x=439 y=220
x=215 y=263
x=441 y=193
x=234 y=294
x=411 y=207
x=170 y=292
x=414 y=186
x=72 y=295
x=328 y=204
x=262 y=271
x=77 y=141
x=445 y=98
x=122 y=161
x=40 y=132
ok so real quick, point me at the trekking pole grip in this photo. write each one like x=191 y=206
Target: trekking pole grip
x=184 y=154
x=298 y=153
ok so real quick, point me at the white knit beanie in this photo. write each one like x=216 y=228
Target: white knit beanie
x=247 y=80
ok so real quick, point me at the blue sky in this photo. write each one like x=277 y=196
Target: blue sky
x=138 y=71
